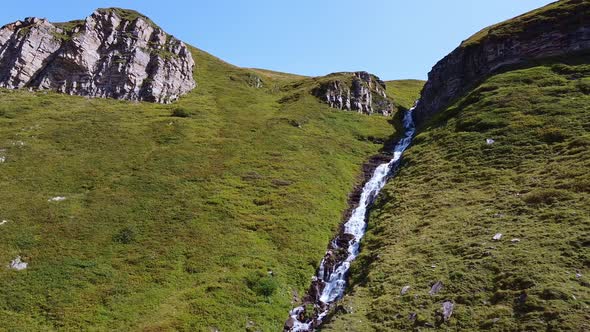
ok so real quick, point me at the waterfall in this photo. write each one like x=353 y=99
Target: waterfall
x=330 y=282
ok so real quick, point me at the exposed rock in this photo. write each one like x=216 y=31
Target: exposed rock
x=106 y=55
x=18 y=264
x=359 y=91
x=490 y=141
x=57 y=199
x=289 y=324
x=255 y=81
x=497 y=237
x=437 y=287
x=568 y=32
x=405 y=290
x=447 y=309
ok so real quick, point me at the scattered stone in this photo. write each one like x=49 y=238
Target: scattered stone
x=433 y=266
x=3 y=222
x=405 y=290
x=515 y=240
x=2 y=159
x=412 y=316
x=495 y=320
x=447 y=307
x=295 y=297
x=18 y=264
x=498 y=215
x=57 y=199
x=522 y=298
x=490 y=141
x=578 y=275
x=436 y=288
x=427 y=324
x=497 y=237
x=289 y=324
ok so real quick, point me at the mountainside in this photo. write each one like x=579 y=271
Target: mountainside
x=559 y=29
x=207 y=214
x=112 y=53
x=213 y=213
x=486 y=224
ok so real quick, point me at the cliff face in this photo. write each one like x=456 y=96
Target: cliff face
x=112 y=53
x=359 y=91
x=558 y=29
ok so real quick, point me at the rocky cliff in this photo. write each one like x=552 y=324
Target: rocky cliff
x=359 y=91
x=112 y=53
x=559 y=29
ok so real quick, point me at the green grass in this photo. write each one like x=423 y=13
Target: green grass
x=436 y=219
x=404 y=92
x=173 y=219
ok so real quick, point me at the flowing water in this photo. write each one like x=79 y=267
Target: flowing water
x=330 y=282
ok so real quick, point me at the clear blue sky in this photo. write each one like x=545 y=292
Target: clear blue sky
x=392 y=38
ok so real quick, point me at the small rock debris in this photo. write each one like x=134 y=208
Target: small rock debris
x=437 y=287
x=497 y=237
x=18 y=264
x=447 y=309
x=405 y=290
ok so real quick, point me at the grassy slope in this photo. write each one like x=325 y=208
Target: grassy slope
x=404 y=92
x=172 y=223
x=436 y=219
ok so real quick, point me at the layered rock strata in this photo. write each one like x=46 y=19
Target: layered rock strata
x=525 y=39
x=359 y=91
x=112 y=53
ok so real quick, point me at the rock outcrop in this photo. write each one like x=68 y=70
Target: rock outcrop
x=359 y=91
x=112 y=53
x=562 y=29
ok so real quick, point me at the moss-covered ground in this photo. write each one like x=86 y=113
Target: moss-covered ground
x=205 y=214
x=454 y=192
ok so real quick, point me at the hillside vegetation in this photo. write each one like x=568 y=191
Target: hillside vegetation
x=209 y=213
x=454 y=192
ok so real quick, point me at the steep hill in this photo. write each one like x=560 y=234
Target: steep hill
x=209 y=213
x=558 y=29
x=485 y=226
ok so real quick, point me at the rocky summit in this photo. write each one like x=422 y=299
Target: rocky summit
x=113 y=53
x=358 y=91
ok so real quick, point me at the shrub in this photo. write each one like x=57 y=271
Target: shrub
x=552 y=135
x=125 y=236
x=262 y=285
x=180 y=113
x=545 y=197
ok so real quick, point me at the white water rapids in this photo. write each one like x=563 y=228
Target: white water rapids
x=334 y=282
